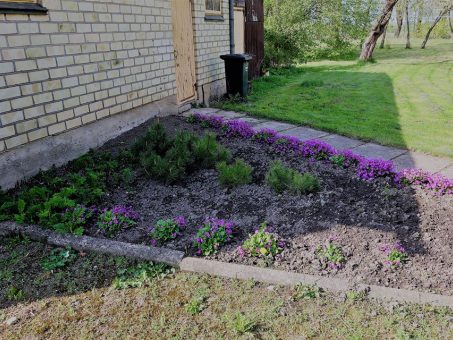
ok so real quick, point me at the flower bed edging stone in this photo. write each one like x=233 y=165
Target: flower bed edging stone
x=279 y=277
x=177 y=259
x=98 y=245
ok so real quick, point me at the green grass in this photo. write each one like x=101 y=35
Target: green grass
x=404 y=98
x=82 y=301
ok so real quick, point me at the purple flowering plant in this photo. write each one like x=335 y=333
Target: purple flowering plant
x=117 y=218
x=166 y=230
x=213 y=234
x=330 y=254
x=262 y=243
x=396 y=254
x=366 y=169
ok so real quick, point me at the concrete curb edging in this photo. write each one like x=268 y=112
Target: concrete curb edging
x=279 y=277
x=87 y=243
x=177 y=259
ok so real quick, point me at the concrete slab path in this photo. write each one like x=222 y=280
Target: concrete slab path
x=401 y=157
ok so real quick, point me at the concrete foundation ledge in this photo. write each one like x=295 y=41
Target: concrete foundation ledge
x=278 y=277
x=93 y=244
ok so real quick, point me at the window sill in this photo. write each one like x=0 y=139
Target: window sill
x=21 y=8
x=214 y=18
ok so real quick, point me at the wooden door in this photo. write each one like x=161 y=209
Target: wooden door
x=254 y=36
x=184 y=50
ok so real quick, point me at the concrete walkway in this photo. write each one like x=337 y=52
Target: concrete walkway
x=401 y=157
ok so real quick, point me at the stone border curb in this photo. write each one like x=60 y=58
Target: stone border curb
x=272 y=276
x=87 y=243
x=176 y=259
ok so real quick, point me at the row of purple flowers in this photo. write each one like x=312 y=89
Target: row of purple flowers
x=366 y=169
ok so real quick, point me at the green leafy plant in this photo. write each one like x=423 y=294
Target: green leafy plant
x=241 y=323
x=307 y=292
x=236 y=174
x=142 y=274
x=15 y=294
x=338 y=160
x=73 y=220
x=58 y=258
x=20 y=217
x=196 y=304
x=281 y=178
x=262 y=243
x=166 y=230
x=331 y=255
x=354 y=295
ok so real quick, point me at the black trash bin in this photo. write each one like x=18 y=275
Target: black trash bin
x=237 y=73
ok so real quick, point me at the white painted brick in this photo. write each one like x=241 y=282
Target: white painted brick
x=26 y=65
x=16 y=141
x=30 y=89
x=35 y=52
x=39 y=75
x=18 y=40
x=5 y=106
x=56 y=128
x=9 y=92
x=11 y=117
x=47 y=120
x=37 y=134
x=7 y=131
x=73 y=123
x=34 y=112
x=65 y=115
x=13 y=54
x=21 y=102
x=26 y=126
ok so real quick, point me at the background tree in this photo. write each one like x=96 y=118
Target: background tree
x=408 y=31
x=447 y=7
x=449 y=22
x=377 y=30
x=399 y=20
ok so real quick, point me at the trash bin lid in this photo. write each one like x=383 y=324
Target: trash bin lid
x=237 y=56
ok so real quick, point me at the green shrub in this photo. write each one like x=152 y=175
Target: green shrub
x=180 y=156
x=238 y=173
x=207 y=151
x=281 y=178
x=155 y=139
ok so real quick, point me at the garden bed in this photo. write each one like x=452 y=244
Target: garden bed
x=362 y=219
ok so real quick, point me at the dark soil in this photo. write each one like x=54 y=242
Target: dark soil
x=362 y=215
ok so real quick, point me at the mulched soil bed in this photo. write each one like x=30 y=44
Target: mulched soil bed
x=362 y=216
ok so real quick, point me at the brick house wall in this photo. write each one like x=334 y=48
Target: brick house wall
x=87 y=60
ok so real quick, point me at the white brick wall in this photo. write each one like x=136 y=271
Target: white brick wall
x=89 y=59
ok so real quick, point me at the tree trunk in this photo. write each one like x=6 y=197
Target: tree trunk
x=383 y=38
x=399 y=22
x=408 y=36
x=377 y=30
x=449 y=21
x=444 y=11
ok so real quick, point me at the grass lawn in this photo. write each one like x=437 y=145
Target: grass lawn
x=79 y=301
x=405 y=99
